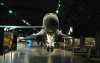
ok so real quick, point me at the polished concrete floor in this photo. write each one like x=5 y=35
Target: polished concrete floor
x=40 y=55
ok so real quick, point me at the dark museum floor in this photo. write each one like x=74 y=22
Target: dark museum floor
x=40 y=55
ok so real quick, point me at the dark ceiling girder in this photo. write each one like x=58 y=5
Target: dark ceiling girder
x=72 y=12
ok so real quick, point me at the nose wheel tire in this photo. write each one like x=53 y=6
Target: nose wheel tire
x=50 y=48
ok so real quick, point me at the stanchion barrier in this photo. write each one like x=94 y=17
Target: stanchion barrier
x=1 y=40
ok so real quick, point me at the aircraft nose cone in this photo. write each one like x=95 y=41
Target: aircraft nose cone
x=51 y=23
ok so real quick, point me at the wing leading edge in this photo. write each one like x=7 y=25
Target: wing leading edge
x=39 y=34
x=60 y=34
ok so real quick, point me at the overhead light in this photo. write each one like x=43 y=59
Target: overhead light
x=59 y=5
x=5 y=29
x=10 y=11
x=57 y=11
x=71 y=29
x=1 y=3
x=59 y=1
x=24 y=21
x=10 y=28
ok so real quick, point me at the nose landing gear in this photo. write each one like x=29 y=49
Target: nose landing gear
x=50 y=48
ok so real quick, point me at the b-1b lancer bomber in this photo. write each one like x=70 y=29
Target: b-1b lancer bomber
x=50 y=29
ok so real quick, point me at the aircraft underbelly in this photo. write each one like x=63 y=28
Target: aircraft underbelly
x=51 y=39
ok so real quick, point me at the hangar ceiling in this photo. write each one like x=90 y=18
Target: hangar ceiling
x=83 y=15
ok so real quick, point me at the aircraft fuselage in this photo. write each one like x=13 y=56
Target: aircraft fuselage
x=50 y=22
x=50 y=25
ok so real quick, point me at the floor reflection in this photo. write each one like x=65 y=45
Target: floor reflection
x=40 y=55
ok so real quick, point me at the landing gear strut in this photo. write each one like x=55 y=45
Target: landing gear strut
x=50 y=48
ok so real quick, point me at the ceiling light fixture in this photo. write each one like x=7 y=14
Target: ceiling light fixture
x=59 y=0
x=24 y=21
x=10 y=11
x=57 y=11
x=1 y=3
x=59 y=5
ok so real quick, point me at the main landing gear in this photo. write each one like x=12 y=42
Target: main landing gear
x=50 y=48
